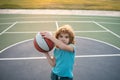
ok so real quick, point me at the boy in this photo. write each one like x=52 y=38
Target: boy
x=64 y=53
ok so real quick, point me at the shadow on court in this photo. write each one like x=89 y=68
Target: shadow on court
x=23 y=62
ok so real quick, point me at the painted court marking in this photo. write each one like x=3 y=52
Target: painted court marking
x=63 y=21
x=78 y=56
x=57 y=25
x=63 y=17
x=54 y=31
x=106 y=29
x=82 y=56
x=8 y=28
x=56 y=22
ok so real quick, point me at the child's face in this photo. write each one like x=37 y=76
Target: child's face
x=64 y=37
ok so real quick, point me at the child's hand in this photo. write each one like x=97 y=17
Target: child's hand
x=47 y=34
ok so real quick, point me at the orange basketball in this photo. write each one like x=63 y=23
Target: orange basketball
x=43 y=44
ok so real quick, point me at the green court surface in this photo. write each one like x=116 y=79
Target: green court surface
x=15 y=28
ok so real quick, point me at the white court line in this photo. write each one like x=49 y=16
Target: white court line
x=108 y=23
x=52 y=21
x=21 y=32
x=90 y=31
x=35 y=21
x=106 y=29
x=23 y=58
x=80 y=56
x=6 y=23
x=57 y=25
x=105 y=55
x=61 y=21
x=24 y=32
x=53 y=32
x=8 y=28
x=63 y=17
x=14 y=45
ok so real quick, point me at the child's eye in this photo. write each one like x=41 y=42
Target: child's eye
x=67 y=37
x=61 y=36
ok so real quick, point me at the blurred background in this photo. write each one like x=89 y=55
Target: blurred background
x=113 y=5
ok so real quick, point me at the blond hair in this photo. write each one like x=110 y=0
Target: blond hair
x=66 y=29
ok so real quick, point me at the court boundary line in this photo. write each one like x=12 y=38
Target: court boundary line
x=79 y=16
x=57 y=24
x=65 y=21
x=75 y=36
x=78 y=56
x=6 y=23
x=108 y=22
x=90 y=31
x=106 y=29
x=8 y=28
x=52 y=21
x=15 y=44
x=54 y=31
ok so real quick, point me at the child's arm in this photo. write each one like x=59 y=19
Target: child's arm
x=50 y=59
x=61 y=45
x=58 y=43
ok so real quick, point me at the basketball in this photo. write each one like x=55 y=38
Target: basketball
x=42 y=44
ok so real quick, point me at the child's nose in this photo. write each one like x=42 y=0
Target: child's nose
x=63 y=39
